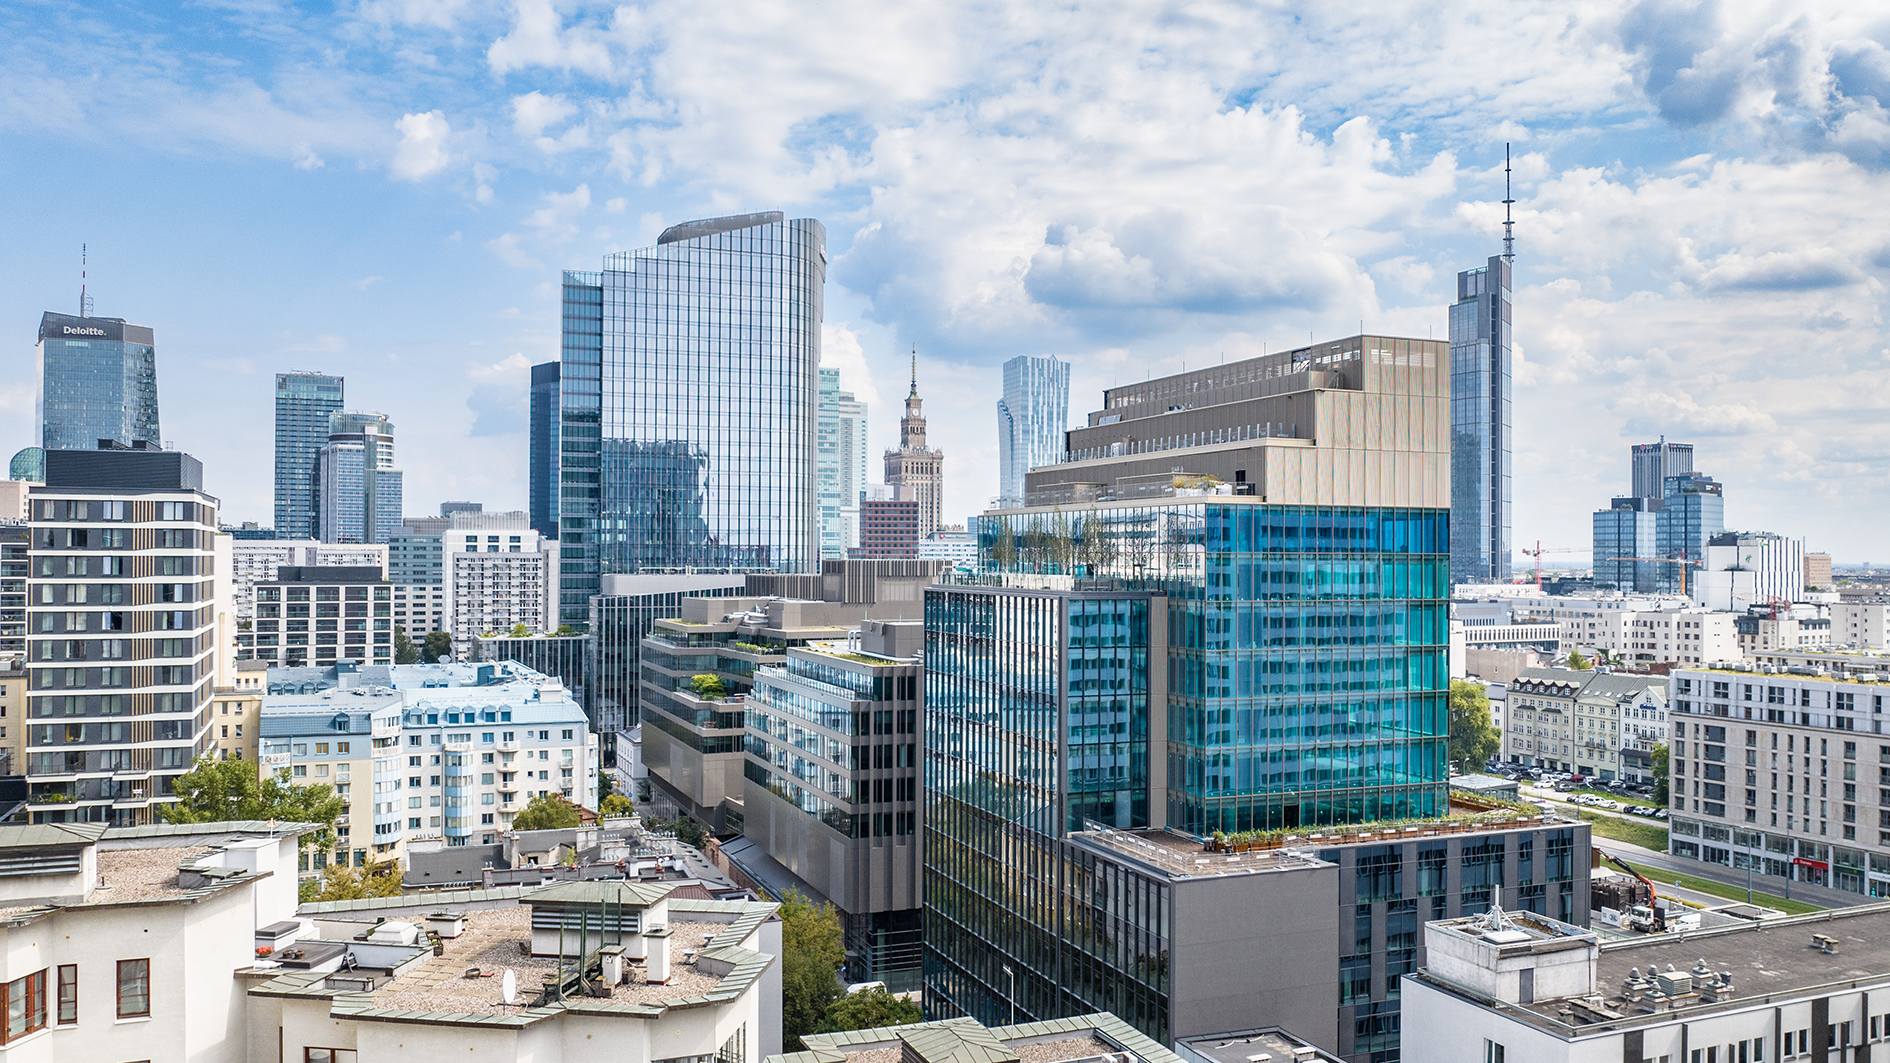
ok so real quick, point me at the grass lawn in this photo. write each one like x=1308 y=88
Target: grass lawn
x=1646 y=835
x=1731 y=893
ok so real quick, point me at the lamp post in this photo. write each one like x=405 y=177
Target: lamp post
x=1012 y=975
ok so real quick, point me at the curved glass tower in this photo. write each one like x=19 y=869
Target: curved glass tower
x=98 y=380
x=688 y=401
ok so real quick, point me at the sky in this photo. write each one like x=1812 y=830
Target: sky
x=387 y=189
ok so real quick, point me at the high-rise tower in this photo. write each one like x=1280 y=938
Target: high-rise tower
x=357 y=487
x=1480 y=414
x=544 y=450
x=841 y=468
x=304 y=403
x=1032 y=415
x=98 y=380
x=688 y=394
x=914 y=465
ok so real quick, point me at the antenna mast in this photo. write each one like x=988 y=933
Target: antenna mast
x=1509 y=224
x=85 y=301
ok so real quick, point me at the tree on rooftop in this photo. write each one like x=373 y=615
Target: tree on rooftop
x=520 y=631
x=566 y=631
x=1578 y=662
x=812 y=947
x=437 y=647
x=1473 y=738
x=708 y=687
x=869 y=1010
x=218 y=791
x=547 y=812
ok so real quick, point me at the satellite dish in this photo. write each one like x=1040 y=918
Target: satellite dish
x=508 y=987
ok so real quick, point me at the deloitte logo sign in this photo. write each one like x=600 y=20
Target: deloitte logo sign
x=82 y=331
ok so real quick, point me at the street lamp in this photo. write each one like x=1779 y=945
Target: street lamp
x=1008 y=973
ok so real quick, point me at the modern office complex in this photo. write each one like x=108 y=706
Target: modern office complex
x=543 y=477
x=620 y=617
x=98 y=381
x=1032 y=417
x=1624 y=542
x=1746 y=569
x=1226 y=614
x=1653 y=463
x=914 y=468
x=1481 y=425
x=689 y=392
x=1656 y=539
x=357 y=488
x=316 y=616
x=427 y=751
x=832 y=786
x=304 y=404
x=841 y=469
x=122 y=615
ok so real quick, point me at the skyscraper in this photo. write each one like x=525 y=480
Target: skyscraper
x=1480 y=422
x=1693 y=512
x=358 y=490
x=1653 y=463
x=689 y=391
x=544 y=450
x=304 y=402
x=916 y=467
x=841 y=469
x=1032 y=415
x=97 y=380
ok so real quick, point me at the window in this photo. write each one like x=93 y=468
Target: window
x=328 y=1055
x=26 y=1005
x=134 y=988
x=1492 y=1052
x=68 y=994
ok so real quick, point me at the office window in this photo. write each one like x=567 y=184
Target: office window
x=1492 y=1052
x=26 y=1005
x=68 y=994
x=134 y=988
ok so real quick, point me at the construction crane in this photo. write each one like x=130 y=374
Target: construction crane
x=1656 y=919
x=1537 y=554
x=1681 y=561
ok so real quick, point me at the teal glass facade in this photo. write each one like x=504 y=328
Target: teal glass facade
x=98 y=380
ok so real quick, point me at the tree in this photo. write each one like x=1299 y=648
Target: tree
x=565 y=631
x=217 y=791
x=1473 y=738
x=615 y=805
x=547 y=812
x=812 y=949
x=1661 y=767
x=344 y=883
x=869 y=1010
x=405 y=652
x=1578 y=662
x=606 y=784
x=520 y=631
x=707 y=687
x=437 y=647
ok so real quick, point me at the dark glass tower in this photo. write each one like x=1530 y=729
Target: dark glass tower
x=689 y=394
x=544 y=450
x=98 y=380
x=1480 y=423
x=304 y=404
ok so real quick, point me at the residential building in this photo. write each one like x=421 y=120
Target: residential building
x=1770 y=630
x=634 y=966
x=318 y=615
x=501 y=573
x=236 y=730
x=253 y=561
x=1818 y=572
x=543 y=480
x=15 y=566
x=1519 y=987
x=98 y=381
x=1073 y=1040
x=1862 y=624
x=416 y=557
x=841 y=468
x=889 y=527
x=1636 y=628
x=1651 y=464
x=421 y=609
x=427 y=751
x=917 y=468
x=1744 y=569
x=620 y=617
x=1481 y=423
x=121 y=615
x=13 y=495
x=13 y=726
x=304 y=404
x=358 y=490
x=136 y=942
x=1032 y=417
x=832 y=782
x=1594 y=723
x=1776 y=766
x=692 y=440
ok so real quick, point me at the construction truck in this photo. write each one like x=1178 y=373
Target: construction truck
x=1648 y=917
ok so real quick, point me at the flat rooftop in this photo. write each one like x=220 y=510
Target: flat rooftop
x=1272 y=1045
x=1098 y=1038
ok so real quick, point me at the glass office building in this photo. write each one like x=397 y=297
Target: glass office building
x=840 y=469
x=1692 y=513
x=688 y=390
x=1623 y=532
x=620 y=618
x=544 y=450
x=1480 y=425
x=304 y=404
x=1032 y=415
x=357 y=488
x=98 y=380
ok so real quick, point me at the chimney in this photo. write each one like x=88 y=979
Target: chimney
x=656 y=964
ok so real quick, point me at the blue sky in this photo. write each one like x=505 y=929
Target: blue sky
x=387 y=189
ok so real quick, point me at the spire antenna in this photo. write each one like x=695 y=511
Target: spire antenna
x=915 y=371
x=85 y=301
x=1509 y=224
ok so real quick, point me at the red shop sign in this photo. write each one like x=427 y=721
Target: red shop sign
x=1803 y=862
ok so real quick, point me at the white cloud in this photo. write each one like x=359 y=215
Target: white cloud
x=539 y=39
x=534 y=112
x=422 y=149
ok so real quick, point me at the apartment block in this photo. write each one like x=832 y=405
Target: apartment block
x=499 y=572
x=122 y=643
x=318 y=615
x=1792 y=629
x=1861 y=625
x=15 y=545
x=1593 y=723
x=13 y=725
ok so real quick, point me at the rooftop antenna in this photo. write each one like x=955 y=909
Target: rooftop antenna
x=85 y=301
x=1509 y=224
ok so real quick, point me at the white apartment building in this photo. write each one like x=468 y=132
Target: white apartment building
x=254 y=561
x=427 y=752
x=1785 y=771
x=1744 y=569
x=1799 y=628
x=1861 y=625
x=499 y=573
x=1637 y=628
x=422 y=608
x=1519 y=988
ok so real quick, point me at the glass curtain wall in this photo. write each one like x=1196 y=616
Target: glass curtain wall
x=98 y=380
x=1480 y=424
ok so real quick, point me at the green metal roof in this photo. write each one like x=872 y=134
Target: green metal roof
x=961 y=1043
x=596 y=891
x=41 y=835
x=967 y=1041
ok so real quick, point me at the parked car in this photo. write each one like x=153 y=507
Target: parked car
x=1660 y=813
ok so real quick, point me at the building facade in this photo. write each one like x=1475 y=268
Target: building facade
x=1481 y=422
x=1624 y=535
x=501 y=574
x=619 y=619
x=1598 y=724
x=689 y=385
x=914 y=469
x=841 y=470
x=304 y=403
x=1744 y=569
x=1032 y=416
x=1652 y=463
x=889 y=528
x=358 y=490
x=254 y=561
x=544 y=449
x=1691 y=515
x=123 y=646
x=318 y=615
x=98 y=381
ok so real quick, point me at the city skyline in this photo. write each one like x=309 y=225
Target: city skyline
x=412 y=223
